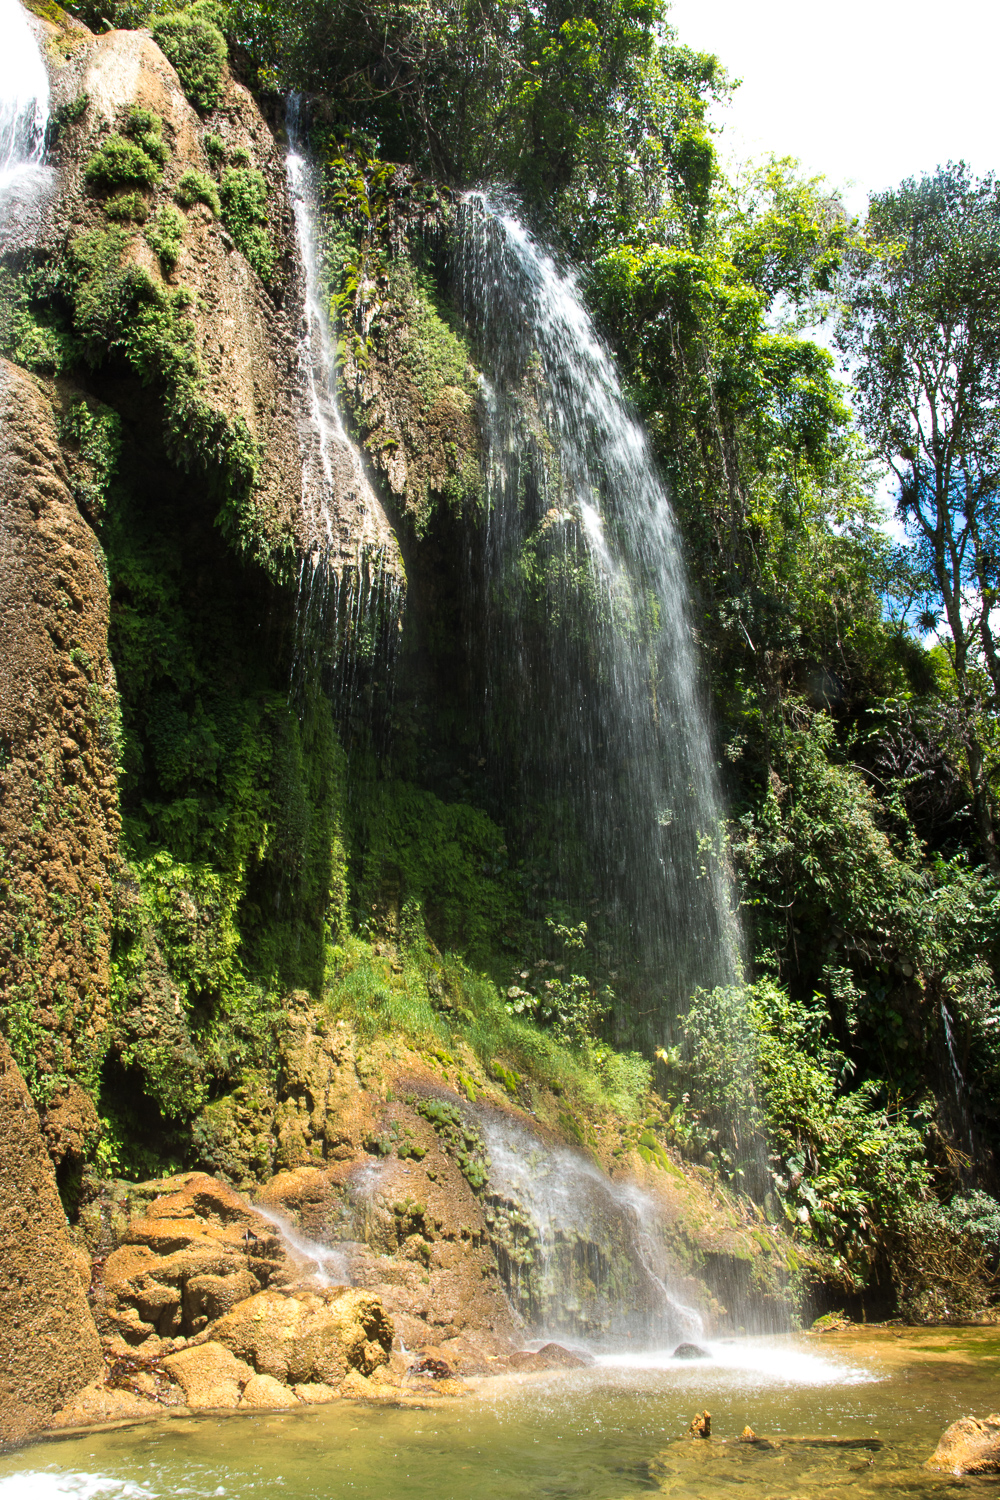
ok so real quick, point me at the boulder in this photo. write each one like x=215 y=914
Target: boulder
x=311 y=1338
x=969 y=1446
x=263 y=1391
x=209 y=1375
x=49 y=1348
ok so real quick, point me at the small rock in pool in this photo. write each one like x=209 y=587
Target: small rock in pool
x=690 y=1351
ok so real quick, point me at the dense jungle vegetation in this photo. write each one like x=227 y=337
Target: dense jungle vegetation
x=854 y=679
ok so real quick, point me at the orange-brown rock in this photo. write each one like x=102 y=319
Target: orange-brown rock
x=209 y=1375
x=309 y=1338
x=969 y=1446
x=49 y=1349
x=197 y=1252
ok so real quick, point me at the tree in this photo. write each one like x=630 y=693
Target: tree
x=922 y=322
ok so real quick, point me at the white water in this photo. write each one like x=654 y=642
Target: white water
x=324 y=1265
x=352 y=542
x=36 y=1484
x=596 y=650
x=586 y=1260
x=772 y=1362
x=24 y=98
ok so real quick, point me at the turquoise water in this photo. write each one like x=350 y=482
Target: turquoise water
x=849 y=1414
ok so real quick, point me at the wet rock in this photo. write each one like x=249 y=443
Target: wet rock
x=747 y=1435
x=209 y=1375
x=701 y=1425
x=314 y=1394
x=549 y=1357
x=49 y=1349
x=311 y=1337
x=690 y=1351
x=70 y=1124
x=969 y=1446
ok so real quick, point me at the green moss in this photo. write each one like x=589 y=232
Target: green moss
x=436 y=353
x=243 y=194
x=195 y=187
x=215 y=148
x=134 y=160
x=197 y=49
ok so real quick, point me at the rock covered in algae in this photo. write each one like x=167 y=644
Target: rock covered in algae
x=969 y=1446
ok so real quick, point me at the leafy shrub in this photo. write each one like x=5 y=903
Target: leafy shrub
x=126 y=208
x=243 y=195
x=215 y=148
x=121 y=163
x=197 y=49
x=195 y=187
x=166 y=235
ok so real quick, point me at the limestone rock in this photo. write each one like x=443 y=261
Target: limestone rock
x=198 y=1252
x=309 y=1338
x=263 y=1391
x=98 y=1403
x=969 y=1446
x=209 y=1375
x=49 y=1349
x=247 y=334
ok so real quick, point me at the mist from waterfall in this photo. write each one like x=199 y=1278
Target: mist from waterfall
x=24 y=98
x=588 y=635
x=579 y=1254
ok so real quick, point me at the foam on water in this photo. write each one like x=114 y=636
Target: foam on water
x=778 y=1361
x=37 y=1484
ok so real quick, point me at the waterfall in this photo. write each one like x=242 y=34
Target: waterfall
x=24 y=97
x=351 y=535
x=592 y=686
x=578 y=1253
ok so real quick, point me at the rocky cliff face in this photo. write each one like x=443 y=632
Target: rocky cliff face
x=49 y=1348
x=59 y=722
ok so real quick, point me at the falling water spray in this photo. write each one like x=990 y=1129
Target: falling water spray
x=593 y=689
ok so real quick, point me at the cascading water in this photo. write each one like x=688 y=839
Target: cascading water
x=352 y=538
x=323 y=1265
x=592 y=686
x=24 y=99
x=577 y=1252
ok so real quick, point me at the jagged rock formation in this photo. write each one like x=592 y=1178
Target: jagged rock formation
x=49 y=1348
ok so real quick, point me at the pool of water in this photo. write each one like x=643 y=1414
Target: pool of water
x=847 y=1414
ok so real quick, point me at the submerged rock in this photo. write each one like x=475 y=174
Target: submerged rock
x=969 y=1446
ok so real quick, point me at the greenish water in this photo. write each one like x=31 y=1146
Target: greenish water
x=609 y=1432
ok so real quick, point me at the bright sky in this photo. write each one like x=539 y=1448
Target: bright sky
x=868 y=91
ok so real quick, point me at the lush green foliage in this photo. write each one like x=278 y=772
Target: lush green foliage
x=243 y=199
x=196 y=47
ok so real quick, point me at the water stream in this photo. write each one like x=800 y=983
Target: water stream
x=585 y=602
